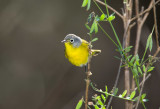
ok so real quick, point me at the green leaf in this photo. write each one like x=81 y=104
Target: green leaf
x=137 y=62
x=133 y=59
x=136 y=98
x=102 y=17
x=115 y=91
x=96 y=107
x=92 y=28
x=124 y=65
x=124 y=93
x=91 y=15
x=144 y=68
x=128 y=57
x=149 y=41
x=89 y=4
x=87 y=26
x=132 y=94
x=135 y=72
x=139 y=70
x=95 y=39
x=143 y=96
x=128 y=49
x=103 y=107
x=137 y=57
x=85 y=2
x=110 y=18
x=104 y=99
x=79 y=105
x=100 y=102
x=150 y=44
x=150 y=69
x=106 y=89
x=98 y=97
x=117 y=57
x=96 y=27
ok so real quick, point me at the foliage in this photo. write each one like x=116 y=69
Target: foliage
x=137 y=65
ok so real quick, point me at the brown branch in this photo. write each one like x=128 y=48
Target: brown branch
x=145 y=11
x=109 y=7
x=155 y=23
x=144 y=76
x=126 y=72
x=140 y=23
x=88 y=73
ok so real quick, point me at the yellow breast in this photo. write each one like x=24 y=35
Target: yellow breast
x=77 y=55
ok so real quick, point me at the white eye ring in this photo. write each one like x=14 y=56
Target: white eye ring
x=71 y=40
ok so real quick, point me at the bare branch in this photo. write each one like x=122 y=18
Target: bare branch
x=155 y=23
x=147 y=10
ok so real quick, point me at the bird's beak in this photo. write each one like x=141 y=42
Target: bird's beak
x=63 y=41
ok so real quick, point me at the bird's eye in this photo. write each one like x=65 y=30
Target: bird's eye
x=71 y=40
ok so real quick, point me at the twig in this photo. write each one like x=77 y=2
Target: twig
x=155 y=23
x=147 y=10
x=109 y=7
x=139 y=27
x=88 y=73
x=142 y=81
x=144 y=76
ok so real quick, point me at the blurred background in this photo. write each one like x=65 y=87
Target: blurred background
x=34 y=73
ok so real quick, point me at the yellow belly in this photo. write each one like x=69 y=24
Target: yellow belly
x=77 y=56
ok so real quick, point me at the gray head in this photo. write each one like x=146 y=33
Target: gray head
x=73 y=39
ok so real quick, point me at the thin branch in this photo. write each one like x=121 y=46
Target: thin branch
x=144 y=76
x=155 y=23
x=109 y=7
x=147 y=10
x=88 y=73
x=147 y=13
x=139 y=27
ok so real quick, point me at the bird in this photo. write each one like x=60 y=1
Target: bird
x=77 y=50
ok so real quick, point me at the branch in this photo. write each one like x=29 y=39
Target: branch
x=88 y=73
x=109 y=7
x=147 y=10
x=155 y=23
